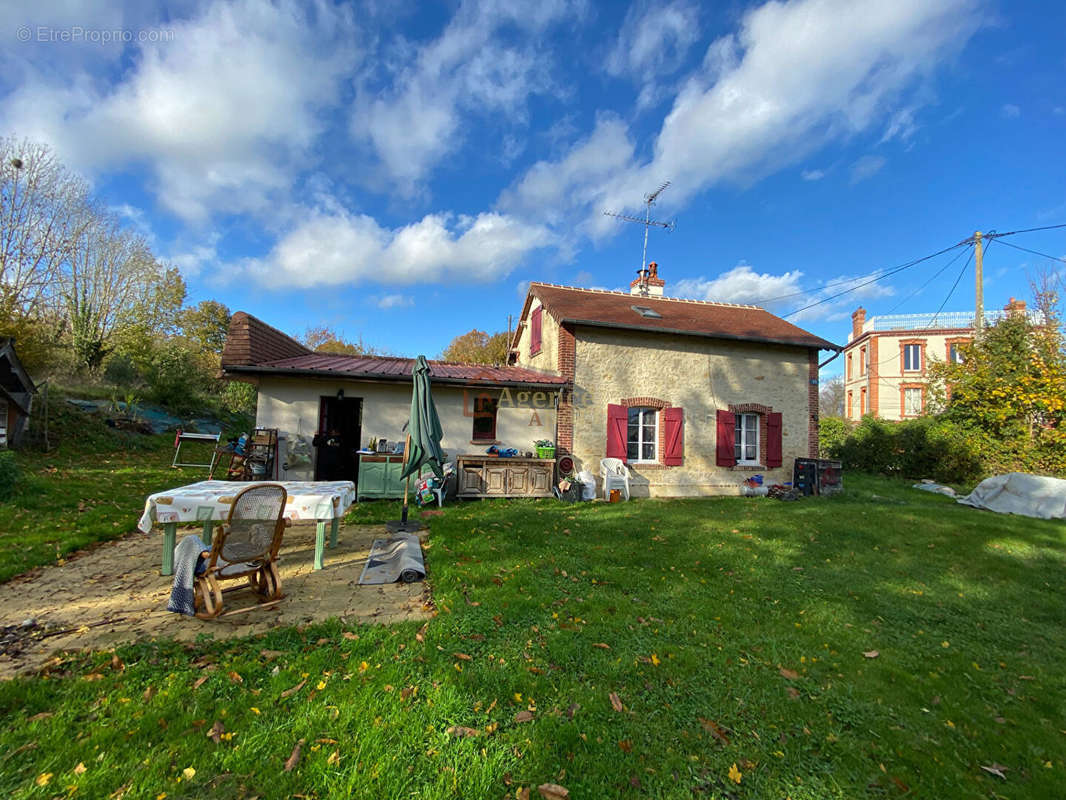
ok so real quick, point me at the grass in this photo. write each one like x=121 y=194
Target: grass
x=885 y=643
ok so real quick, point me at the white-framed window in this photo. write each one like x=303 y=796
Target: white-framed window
x=955 y=353
x=746 y=440
x=642 y=441
x=912 y=357
x=912 y=402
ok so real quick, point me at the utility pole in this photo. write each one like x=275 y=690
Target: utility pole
x=979 y=263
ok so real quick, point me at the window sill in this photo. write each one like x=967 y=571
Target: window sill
x=485 y=441
x=649 y=465
x=748 y=467
x=533 y=353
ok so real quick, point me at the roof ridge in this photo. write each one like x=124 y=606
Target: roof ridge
x=265 y=324
x=645 y=297
x=375 y=357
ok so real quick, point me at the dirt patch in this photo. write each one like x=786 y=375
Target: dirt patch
x=115 y=595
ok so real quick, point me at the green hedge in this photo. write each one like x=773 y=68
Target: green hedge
x=9 y=473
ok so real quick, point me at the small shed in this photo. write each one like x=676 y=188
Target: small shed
x=16 y=395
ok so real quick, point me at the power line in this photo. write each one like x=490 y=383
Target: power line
x=882 y=275
x=1034 y=252
x=1030 y=230
x=921 y=288
x=952 y=290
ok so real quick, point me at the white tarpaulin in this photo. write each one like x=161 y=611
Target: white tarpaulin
x=1020 y=493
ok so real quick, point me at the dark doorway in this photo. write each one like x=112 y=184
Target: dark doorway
x=339 y=434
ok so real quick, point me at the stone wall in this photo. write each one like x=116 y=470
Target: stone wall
x=291 y=405
x=547 y=360
x=701 y=376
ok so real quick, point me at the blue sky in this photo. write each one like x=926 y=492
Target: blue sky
x=401 y=172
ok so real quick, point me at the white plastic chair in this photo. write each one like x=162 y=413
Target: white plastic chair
x=615 y=475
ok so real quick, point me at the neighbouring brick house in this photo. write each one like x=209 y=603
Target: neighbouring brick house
x=693 y=395
x=887 y=357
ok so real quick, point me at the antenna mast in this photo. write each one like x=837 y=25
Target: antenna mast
x=647 y=222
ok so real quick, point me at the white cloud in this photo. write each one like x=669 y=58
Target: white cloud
x=812 y=174
x=465 y=72
x=867 y=167
x=1010 y=111
x=796 y=75
x=333 y=248
x=741 y=284
x=395 y=301
x=653 y=42
x=224 y=114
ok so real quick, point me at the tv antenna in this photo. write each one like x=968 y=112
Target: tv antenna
x=647 y=222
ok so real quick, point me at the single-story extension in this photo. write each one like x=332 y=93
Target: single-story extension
x=694 y=396
x=16 y=395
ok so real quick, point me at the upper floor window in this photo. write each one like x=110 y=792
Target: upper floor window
x=746 y=439
x=912 y=357
x=863 y=362
x=955 y=352
x=848 y=363
x=642 y=442
x=535 y=330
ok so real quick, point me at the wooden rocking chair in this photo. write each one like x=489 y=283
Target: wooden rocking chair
x=246 y=547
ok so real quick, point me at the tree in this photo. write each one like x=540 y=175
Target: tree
x=831 y=398
x=324 y=339
x=206 y=325
x=477 y=347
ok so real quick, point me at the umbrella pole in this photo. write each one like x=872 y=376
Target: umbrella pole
x=407 y=480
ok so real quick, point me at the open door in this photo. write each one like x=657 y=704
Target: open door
x=339 y=436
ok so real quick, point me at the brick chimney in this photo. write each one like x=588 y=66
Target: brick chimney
x=650 y=278
x=858 y=319
x=1014 y=307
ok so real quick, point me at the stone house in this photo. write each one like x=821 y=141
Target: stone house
x=694 y=396
x=887 y=357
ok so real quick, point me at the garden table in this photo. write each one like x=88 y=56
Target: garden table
x=208 y=503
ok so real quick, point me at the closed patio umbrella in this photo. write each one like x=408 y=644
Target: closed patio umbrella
x=423 y=438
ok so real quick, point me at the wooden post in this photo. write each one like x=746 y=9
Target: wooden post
x=979 y=265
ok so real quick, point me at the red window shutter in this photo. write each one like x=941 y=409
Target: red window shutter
x=534 y=330
x=617 y=425
x=773 y=440
x=673 y=436
x=727 y=422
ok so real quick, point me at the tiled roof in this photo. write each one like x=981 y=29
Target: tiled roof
x=251 y=338
x=251 y=341
x=671 y=315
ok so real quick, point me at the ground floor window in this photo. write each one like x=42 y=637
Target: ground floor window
x=746 y=441
x=912 y=402
x=484 y=419
x=642 y=441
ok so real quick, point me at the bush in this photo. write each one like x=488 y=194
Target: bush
x=121 y=371
x=832 y=433
x=239 y=398
x=928 y=447
x=176 y=377
x=9 y=473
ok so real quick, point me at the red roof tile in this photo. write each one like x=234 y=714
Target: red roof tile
x=251 y=341
x=692 y=317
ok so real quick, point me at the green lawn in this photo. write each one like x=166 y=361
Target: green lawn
x=881 y=644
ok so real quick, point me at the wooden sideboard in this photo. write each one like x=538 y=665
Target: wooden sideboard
x=481 y=476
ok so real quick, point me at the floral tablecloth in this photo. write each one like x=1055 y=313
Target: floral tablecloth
x=210 y=500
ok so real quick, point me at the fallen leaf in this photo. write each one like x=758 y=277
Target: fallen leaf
x=294 y=689
x=215 y=734
x=522 y=793
x=626 y=746
x=43 y=778
x=351 y=636
x=553 y=791
x=235 y=677
x=189 y=773
x=116 y=663
x=149 y=693
x=462 y=656
x=716 y=730
x=523 y=716
x=461 y=731
x=270 y=655
x=616 y=701
x=735 y=774
x=995 y=769
x=793 y=692
x=294 y=758
x=871 y=654
x=200 y=681
x=42 y=715
x=601 y=645
x=80 y=769
x=334 y=758
x=421 y=635
x=790 y=674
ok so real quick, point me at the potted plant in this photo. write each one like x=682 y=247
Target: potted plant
x=545 y=448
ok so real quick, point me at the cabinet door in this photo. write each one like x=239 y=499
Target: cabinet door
x=518 y=480
x=495 y=479
x=540 y=479
x=471 y=480
x=372 y=478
